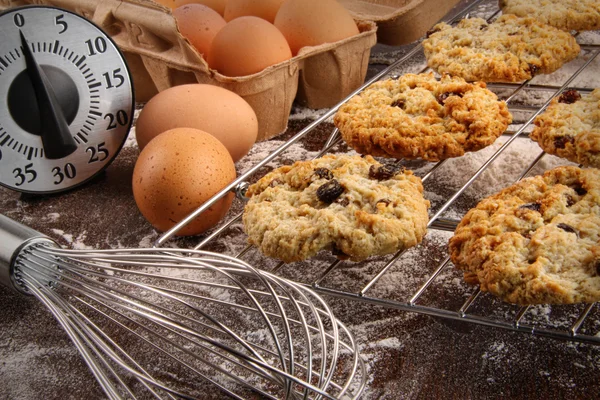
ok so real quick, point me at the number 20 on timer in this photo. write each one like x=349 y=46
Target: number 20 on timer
x=68 y=99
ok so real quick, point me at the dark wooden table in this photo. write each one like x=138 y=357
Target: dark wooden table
x=409 y=355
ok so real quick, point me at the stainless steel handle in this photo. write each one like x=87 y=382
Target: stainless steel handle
x=14 y=237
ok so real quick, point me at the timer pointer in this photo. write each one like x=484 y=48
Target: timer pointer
x=56 y=136
x=66 y=99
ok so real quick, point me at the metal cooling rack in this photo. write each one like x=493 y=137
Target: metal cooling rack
x=574 y=322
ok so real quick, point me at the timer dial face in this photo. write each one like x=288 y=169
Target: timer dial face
x=66 y=99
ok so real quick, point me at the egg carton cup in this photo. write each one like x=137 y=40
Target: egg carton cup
x=159 y=57
x=399 y=21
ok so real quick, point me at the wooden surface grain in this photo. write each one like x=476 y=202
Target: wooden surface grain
x=409 y=355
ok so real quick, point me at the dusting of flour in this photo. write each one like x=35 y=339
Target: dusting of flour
x=408 y=355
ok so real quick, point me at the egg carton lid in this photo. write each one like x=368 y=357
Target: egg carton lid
x=159 y=57
x=399 y=21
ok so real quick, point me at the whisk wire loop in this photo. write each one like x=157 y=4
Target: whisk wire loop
x=221 y=326
x=75 y=332
x=57 y=307
x=150 y=322
x=166 y=353
x=133 y=304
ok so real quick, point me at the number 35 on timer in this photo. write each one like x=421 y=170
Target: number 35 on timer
x=68 y=99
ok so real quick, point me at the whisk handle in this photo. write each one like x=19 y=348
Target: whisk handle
x=14 y=238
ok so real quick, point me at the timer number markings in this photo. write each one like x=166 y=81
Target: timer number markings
x=65 y=81
x=92 y=83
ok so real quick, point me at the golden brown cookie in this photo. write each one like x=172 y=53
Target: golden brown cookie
x=570 y=128
x=577 y=15
x=510 y=49
x=352 y=206
x=537 y=241
x=418 y=116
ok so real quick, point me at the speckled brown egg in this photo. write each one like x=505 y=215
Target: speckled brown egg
x=247 y=45
x=166 y=3
x=217 y=5
x=314 y=22
x=265 y=9
x=199 y=24
x=218 y=111
x=176 y=173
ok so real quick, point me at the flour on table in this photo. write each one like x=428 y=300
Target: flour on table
x=389 y=339
x=53 y=217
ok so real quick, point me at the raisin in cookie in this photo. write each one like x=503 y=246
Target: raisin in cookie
x=418 y=116
x=537 y=241
x=353 y=206
x=577 y=15
x=511 y=49
x=570 y=128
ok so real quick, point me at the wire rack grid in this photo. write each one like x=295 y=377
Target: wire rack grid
x=436 y=288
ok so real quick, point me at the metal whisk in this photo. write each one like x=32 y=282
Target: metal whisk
x=157 y=323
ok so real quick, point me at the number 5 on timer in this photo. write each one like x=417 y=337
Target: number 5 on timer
x=69 y=99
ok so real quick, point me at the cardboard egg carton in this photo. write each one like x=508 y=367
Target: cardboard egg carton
x=159 y=57
x=400 y=21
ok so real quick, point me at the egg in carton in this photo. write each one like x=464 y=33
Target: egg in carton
x=159 y=57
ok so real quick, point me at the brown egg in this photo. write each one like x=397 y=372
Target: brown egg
x=217 y=5
x=176 y=173
x=265 y=9
x=199 y=24
x=215 y=110
x=247 y=45
x=314 y=22
x=166 y=3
